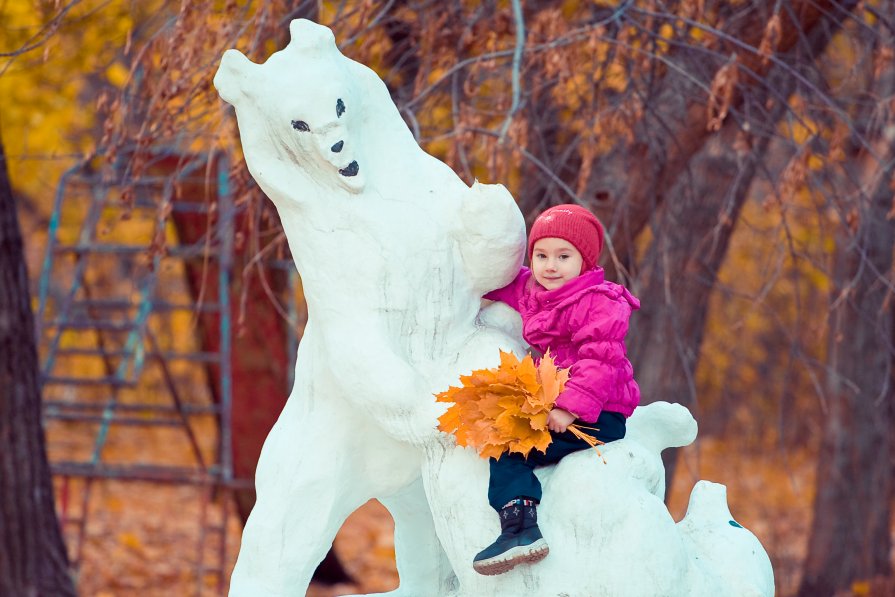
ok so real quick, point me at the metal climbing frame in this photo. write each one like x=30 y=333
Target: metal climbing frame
x=120 y=361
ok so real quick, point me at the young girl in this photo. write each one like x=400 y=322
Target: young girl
x=568 y=307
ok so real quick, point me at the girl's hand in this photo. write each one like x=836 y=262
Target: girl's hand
x=558 y=420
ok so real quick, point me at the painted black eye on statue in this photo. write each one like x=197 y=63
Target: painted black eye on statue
x=340 y=107
x=301 y=125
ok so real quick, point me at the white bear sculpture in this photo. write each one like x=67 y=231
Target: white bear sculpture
x=394 y=252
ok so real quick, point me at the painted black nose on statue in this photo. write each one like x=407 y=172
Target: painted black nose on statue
x=350 y=170
x=337 y=147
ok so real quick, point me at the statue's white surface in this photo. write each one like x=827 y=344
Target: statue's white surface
x=394 y=252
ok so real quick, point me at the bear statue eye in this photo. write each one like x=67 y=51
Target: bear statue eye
x=340 y=108
x=301 y=125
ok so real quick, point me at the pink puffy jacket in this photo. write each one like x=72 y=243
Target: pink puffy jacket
x=583 y=323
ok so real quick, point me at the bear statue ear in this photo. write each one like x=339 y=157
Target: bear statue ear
x=233 y=75
x=308 y=36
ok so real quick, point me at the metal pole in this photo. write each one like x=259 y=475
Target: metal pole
x=225 y=243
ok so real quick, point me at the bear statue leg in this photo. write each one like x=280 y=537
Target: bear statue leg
x=317 y=466
x=456 y=482
x=299 y=509
x=423 y=567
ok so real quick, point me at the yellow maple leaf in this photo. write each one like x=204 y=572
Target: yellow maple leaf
x=538 y=441
x=450 y=420
x=512 y=426
x=538 y=421
x=508 y=361
x=551 y=382
x=483 y=377
x=491 y=451
x=489 y=405
x=544 y=439
x=537 y=404
x=512 y=401
x=527 y=374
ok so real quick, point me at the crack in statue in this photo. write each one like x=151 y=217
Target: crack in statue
x=395 y=252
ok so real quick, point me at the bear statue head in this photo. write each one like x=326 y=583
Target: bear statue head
x=302 y=106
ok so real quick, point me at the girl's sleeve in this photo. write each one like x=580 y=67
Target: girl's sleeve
x=600 y=324
x=512 y=292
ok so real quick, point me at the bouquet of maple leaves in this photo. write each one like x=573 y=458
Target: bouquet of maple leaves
x=505 y=409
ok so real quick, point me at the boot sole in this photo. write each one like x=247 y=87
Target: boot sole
x=523 y=554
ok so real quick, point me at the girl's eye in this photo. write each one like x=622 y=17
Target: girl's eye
x=301 y=125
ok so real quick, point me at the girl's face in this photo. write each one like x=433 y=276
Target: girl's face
x=554 y=262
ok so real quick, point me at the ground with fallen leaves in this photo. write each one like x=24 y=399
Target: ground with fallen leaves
x=142 y=538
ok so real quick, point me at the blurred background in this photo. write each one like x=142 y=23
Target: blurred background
x=741 y=155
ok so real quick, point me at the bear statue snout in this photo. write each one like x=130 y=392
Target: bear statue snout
x=351 y=170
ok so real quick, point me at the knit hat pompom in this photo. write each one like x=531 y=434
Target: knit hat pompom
x=574 y=224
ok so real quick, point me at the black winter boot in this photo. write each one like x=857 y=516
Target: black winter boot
x=520 y=540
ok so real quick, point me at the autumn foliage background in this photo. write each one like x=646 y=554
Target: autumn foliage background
x=740 y=153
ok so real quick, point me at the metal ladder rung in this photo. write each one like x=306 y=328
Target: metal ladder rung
x=215 y=528
x=104 y=325
x=136 y=472
x=122 y=303
x=188 y=409
x=197 y=357
x=203 y=569
x=93 y=352
x=57 y=380
x=113 y=419
x=180 y=251
x=101 y=248
x=143 y=201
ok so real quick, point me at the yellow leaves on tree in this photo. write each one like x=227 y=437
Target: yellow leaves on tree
x=505 y=408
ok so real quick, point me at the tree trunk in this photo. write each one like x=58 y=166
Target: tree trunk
x=691 y=236
x=849 y=538
x=33 y=560
x=678 y=273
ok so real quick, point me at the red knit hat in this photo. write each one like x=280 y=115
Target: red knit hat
x=574 y=224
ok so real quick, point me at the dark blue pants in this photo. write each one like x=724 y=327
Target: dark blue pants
x=513 y=476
